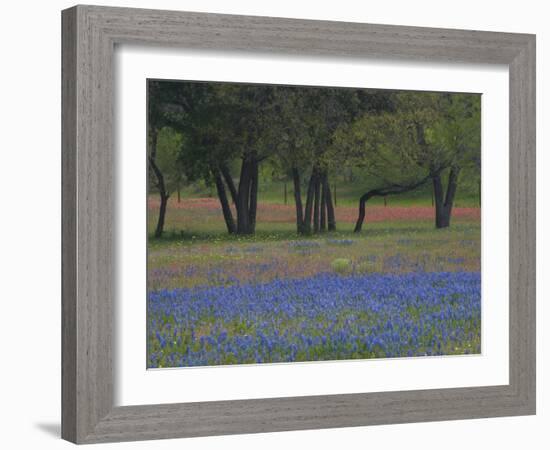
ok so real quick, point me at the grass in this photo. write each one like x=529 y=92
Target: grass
x=215 y=298
x=180 y=262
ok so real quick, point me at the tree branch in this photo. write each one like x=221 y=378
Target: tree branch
x=383 y=191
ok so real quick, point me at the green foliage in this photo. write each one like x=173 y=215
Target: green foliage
x=169 y=143
x=425 y=134
x=457 y=133
x=382 y=138
x=341 y=265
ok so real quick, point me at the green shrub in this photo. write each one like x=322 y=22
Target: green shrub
x=341 y=265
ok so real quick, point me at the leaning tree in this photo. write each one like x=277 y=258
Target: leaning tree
x=427 y=137
x=163 y=142
x=387 y=148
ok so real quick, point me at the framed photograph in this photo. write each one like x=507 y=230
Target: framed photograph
x=278 y=224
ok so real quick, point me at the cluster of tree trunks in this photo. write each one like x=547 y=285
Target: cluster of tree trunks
x=318 y=213
x=244 y=197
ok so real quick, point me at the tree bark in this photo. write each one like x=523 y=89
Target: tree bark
x=444 y=200
x=161 y=185
x=316 y=204
x=323 y=206
x=441 y=216
x=243 y=198
x=362 y=210
x=246 y=196
x=162 y=214
x=229 y=181
x=226 y=209
x=253 y=202
x=451 y=188
x=309 y=201
x=331 y=218
x=298 y=201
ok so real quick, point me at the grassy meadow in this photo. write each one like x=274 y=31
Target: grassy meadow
x=311 y=223
x=355 y=284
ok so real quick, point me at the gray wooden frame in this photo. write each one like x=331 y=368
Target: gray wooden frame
x=89 y=36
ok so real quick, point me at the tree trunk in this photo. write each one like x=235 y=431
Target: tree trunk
x=161 y=186
x=331 y=218
x=298 y=201
x=362 y=210
x=229 y=181
x=243 y=198
x=441 y=219
x=162 y=214
x=246 y=197
x=316 y=204
x=444 y=200
x=226 y=209
x=309 y=201
x=323 y=206
x=451 y=189
x=389 y=190
x=253 y=202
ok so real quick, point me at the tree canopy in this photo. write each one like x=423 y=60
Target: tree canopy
x=221 y=134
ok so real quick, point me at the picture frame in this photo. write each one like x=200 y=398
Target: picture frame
x=89 y=36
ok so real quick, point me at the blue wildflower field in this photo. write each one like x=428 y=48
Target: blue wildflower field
x=328 y=316
x=400 y=288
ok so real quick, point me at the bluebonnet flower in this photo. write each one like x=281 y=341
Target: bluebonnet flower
x=324 y=317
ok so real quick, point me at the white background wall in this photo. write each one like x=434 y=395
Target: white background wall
x=30 y=237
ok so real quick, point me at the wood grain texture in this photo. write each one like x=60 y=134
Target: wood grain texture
x=89 y=36
x=68 y=225
x=523 y=224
